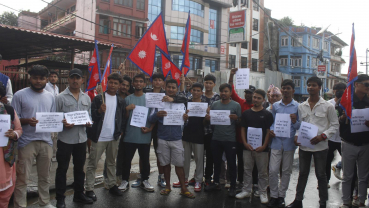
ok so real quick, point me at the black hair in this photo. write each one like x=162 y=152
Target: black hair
x=362 y=77
x=199 y=85
x=128 y=79
x=339 y=86
x=260 y=92
x=140 y=75
x=210 y=77
x=316 y=80
x=171 y=81
x=2 y=90
x=39 y=70
x=225 y=85
x=157 y=75
x=53 y=72
x=288 y=82
x=115 y=76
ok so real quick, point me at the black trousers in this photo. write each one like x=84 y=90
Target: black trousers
x=144 y=153
x=240 y=166
x=63 y=154
x=229 y=148
x=332 y=146
x=209 y=164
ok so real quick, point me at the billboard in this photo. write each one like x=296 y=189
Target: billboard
x=322 y=71
x=237 y=26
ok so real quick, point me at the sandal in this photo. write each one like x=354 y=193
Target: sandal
x=165 y=192
x=188 y=194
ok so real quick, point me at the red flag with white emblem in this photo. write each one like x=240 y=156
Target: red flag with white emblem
x=171 y=67
x=107 y=71
x=143 y=54
x=185 y=67
x=94 y=70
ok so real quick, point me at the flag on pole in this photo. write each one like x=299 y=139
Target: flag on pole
x=107 y=71
x=170 y=67
x=185 y=67
x=347 y=97
x=94 y=70
x=143 y=54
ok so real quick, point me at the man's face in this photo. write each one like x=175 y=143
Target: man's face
x=248 y=96
x=75 y=82
x=53 y=78
x=124 y=87
x=37 y=82
x=361 y=87
x=138 y=83
x=196 y=92
x=225 y=94
x=209 y=85
x=171 y=89
x=188 y=87
x=157 y=83
x=275 y=98
x=313 y=88
x=257 y=100
x=287 y=91
x=113 y=86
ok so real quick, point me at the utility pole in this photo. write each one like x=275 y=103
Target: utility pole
x=238 y=45
x=270 y=49
x=366 y=64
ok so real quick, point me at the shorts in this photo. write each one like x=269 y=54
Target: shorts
x=170 y=152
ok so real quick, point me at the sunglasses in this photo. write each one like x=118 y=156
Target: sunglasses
x=366 y=84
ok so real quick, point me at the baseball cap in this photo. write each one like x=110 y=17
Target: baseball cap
x=251 y=89
x=75 y=71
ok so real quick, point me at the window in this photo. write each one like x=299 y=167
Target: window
x=127 y=3
x=104 y=25
x=213 y=64
x=154 y=9
x=296 y=61
x=297 y=81
x=315 y=63
x=232 y=61
x=213 y=32
x=296 y=42
x=106 y=0
x=177 y=59
x=122 y=27
x=140 y=29
x=284 y=41
x=326 y=46
x=255 y=44
x=254 y=66
x=255 y=6
x=232 y=44
x=186 y=5
x=283 y=61
x=177 y=33
x=309 y=41
x=117 y=59
x=195 y=63
x=316 y=43
x=244 y=45
x=255 y=24
x=308 y=61
x=196 y=36
x=244 y=62
x=141 y=4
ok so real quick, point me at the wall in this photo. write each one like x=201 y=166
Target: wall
x=87 y=10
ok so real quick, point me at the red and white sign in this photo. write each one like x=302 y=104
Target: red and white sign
x=222 y=49
x=237 y=19
x=212 y=25
x=321 y=72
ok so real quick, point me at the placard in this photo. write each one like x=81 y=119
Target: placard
x=282 y=125
x=307 y=131
x=78 y=117
x=255 y=137
x=242 y=78
x=197 y=109
x=220 y=117
x=172 y=106
x=154 y=100
x=173 y=118
x=4 y=127
x=139 y=116
x=49 y=122
x=358 y=118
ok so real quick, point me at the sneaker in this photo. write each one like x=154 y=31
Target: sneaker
x=239 y=187
x=281 y=203
x=355 y=202
x=124 y=186
x=232 y=192
x=192 y=182
x=243 y=194
x=115 y=191
x=137 y=183
x=212 y=187
x=273 y=202
x=222 y=181
x=178 y=184
x=147 y=186
x=228 y=185
x=60 y=203
x=161 y=181
x=256 y=190
x=264 y=198
x=337 y=172
x=197 y=187
x=207 y=182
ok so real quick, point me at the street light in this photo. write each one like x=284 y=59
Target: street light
x=366 y=63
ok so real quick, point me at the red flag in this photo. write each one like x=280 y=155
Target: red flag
x=143 y=54
x=171 y=67
x=107 y=71
x=92 y=94
x=94 y=70
x=347 y=97
x=185 y=67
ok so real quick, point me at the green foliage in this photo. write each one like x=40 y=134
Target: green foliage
x=287 y=21
x=9 y=18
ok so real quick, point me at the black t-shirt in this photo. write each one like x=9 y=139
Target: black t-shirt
x=194 y=130
x=262 y=119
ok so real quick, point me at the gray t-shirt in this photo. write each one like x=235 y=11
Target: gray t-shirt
x=226 y=133
x=133 y=133
x=26 y=103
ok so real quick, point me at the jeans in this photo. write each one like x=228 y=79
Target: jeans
x=218 y=147
x=240 y=167
x=332 y=146
x=320 y=159
x=209 y=163
x=63 y=155
x=129 y=152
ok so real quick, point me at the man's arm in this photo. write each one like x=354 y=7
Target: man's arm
x=95 y=106
x=333 y=122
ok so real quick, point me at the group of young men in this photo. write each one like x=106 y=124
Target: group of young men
x=254 y=167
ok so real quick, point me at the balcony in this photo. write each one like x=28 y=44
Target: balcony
x=65 y=21
x=336 y=58
x=222 y=3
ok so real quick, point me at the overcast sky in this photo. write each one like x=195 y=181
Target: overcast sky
x=340 y=14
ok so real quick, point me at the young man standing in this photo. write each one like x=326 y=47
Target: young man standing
x=72 y=140
x=51 y=85
x=170 y=148
x=32 y=145
x=355 y=146
x=108 y=115
x=136 y=138
x=315 y=110
x=259 y=118
x=282 y=148
x=224 y=138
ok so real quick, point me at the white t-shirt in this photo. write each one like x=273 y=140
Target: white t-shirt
x=336 y=137
x=107 y=131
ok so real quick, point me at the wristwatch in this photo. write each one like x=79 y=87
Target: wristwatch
x=324 y=136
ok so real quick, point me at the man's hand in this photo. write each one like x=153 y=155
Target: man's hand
x=102 y=108
x=233 y=117
x=4 y=100
x=343 y=117
x=367 y=123
x=248 y=146
x=32 y=121
x=233 y=71
x=145 y=130
x=130 y=107
x=67 y=125
x=161 y=114
x=260 y=149
x=271 y=134
x=167 y=99
x=316 y=139
x=296 y=143
x=293 y=118
x=11 y=135
x=207 y=117
x=185 y=116
x=88 y=124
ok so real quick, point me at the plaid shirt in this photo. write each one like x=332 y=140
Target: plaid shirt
x=216 y=97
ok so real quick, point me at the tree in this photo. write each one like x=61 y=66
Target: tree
x=9 y=18
x=287 y=21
